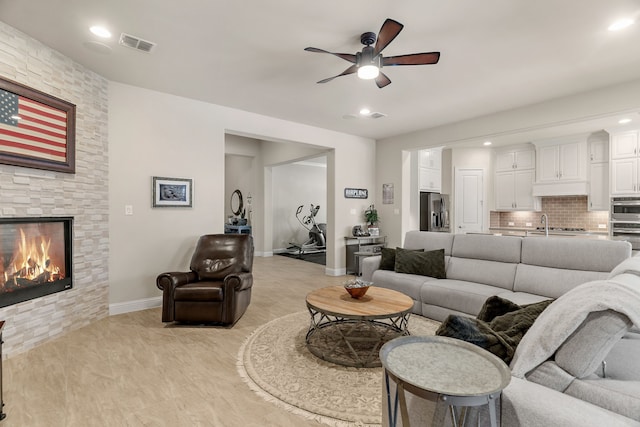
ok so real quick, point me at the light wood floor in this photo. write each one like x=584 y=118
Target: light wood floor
x=132 y=370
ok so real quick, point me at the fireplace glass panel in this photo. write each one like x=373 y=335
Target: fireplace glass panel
x=35 y=258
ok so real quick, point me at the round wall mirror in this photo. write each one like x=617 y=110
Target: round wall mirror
x=236 y=202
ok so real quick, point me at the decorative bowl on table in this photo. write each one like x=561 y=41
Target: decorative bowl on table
x=357 y=287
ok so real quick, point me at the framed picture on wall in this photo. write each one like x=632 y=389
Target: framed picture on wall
x=172 y=192
x=36 y=130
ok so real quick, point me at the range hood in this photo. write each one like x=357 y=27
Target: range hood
x=570 y=188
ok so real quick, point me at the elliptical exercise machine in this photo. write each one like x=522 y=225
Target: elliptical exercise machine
x=317 y=232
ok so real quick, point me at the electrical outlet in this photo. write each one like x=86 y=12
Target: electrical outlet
x=396 y=211
x=352 y=211
x=602 y=225
x=511 y=223
x=528 y=224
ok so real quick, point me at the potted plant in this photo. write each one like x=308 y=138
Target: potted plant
x=372 y=218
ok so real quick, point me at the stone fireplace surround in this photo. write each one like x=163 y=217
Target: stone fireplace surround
x=84 y=195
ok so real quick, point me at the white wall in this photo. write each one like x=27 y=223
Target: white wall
x=296 y=184
x=392 y=152
x=155 y=134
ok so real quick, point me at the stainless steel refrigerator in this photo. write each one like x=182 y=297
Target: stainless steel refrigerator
x=434 y=212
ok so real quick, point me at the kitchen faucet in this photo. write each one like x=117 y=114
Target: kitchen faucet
x=545 y=220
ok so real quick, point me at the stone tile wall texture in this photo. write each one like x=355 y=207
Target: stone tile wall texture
x=565 y=211
x=84 y=195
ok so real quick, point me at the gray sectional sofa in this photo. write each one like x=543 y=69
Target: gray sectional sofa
x=521 y=269
x=558 y=374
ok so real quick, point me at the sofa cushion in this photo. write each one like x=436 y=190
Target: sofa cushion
x=487 y=247
x=408 y=284
x=621 y=397
x=521 y=298
x=388 y=260
x=429 y=263
x=574 y=254
x=551 y=282
x=457 y=295
x=500 y=274
x=428 y=241
x=583 y=352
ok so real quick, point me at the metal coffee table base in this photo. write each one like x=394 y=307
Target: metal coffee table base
x=352 y=341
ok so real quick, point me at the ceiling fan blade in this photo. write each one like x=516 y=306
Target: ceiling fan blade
x=346 y=56
x=349 y=70
x=382 y=80
x=389 y=30
x=412 y=59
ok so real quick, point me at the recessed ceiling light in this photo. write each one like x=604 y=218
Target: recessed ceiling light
x=624 y=121
x=486 y=143
x=100 y=31
x=365 y=111
x=620 y=24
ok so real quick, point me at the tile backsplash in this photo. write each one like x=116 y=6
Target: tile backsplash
x=565 y=211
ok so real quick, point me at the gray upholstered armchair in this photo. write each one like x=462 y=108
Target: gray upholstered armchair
x=217 y=289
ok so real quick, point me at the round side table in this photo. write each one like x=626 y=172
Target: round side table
x=442 y=369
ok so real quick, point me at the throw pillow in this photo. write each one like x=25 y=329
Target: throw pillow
x=388 y=260
x=430 y=263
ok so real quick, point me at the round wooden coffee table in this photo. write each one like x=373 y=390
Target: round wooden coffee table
x=349 y=331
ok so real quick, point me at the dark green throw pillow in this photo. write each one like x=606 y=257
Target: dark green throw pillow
x=388 y=260
x=430 y=263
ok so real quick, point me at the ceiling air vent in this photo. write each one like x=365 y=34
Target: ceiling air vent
x=136 y=43
x=374 y=115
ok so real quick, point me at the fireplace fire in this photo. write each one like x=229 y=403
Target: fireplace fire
x=35 y=258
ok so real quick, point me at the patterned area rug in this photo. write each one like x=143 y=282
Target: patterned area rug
x=276 y=364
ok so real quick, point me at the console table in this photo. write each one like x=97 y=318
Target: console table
x=361 y=244
x=444 y=370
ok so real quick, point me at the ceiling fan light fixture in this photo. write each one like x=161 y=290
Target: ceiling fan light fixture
x=368 y=72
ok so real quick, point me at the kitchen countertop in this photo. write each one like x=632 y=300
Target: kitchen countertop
x=533 y=232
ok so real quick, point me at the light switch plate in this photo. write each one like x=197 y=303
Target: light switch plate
x=602 y=225
x=511 y=223
x=128 y=209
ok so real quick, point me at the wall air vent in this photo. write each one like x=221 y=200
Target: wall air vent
x=136 y=43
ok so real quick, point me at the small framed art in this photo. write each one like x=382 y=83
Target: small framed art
x=172 y=192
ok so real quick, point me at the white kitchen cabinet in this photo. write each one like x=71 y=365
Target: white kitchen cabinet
x=514 y=177
x=562 y=162
x=625 y=162
x=598 y=197
x=562 y=166
x=599 y=187
x=430 y=170
x=599 y=151
x=624 y=144
x=515 y=159
x=624 y=176
x=513 y=191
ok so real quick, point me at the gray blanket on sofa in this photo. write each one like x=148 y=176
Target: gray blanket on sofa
x=620 y=293
x=499 y=327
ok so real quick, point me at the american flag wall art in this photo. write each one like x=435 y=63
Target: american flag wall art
x=35 y=129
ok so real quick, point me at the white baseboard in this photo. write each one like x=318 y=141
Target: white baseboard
x=137 y=305
x=335 y=271
x=263 y=254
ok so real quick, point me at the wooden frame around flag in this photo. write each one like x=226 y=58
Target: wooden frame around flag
x=36 y=130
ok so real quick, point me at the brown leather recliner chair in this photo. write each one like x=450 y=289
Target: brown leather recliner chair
x=218 y=287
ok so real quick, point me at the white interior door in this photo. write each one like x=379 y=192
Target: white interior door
x=469 y=197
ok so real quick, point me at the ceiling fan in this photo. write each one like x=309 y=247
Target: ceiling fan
x=369 y=61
